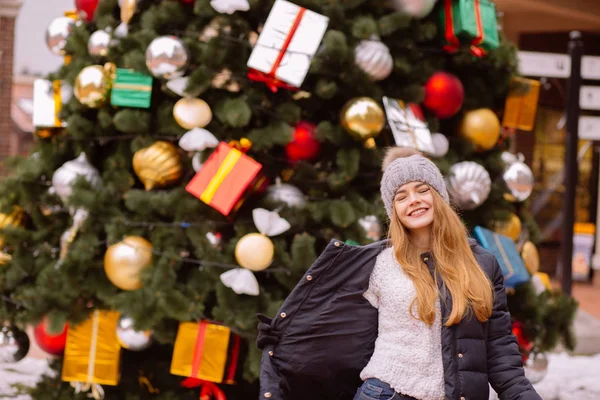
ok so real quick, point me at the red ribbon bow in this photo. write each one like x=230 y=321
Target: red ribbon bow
x=208 y=390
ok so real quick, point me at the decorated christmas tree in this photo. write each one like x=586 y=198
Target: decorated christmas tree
x=194 y=157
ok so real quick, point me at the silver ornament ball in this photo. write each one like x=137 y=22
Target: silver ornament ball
x=131 y=339
x=166 y=57
x=65 y=177
x=518 y=177
x=99 y=43
x=57 y=33
x=414 y=8
x=287 y=194
x=14 y=344
x=469 y=184
x=374 y=58
x=536 y=367
x=372 y=226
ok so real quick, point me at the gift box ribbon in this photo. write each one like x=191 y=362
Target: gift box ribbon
x=269 y=79
x=132 y=86
x=57 y=102
x=504 y=257
x=224 y=169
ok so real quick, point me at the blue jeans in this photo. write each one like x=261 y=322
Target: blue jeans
x=374 y=389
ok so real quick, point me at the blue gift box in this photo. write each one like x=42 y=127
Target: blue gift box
x=507 y=255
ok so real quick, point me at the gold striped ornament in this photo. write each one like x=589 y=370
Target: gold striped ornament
x=158 y=165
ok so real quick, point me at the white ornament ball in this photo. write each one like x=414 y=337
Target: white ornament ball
x=374 y=57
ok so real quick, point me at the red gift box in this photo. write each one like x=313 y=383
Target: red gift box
x=226 y=178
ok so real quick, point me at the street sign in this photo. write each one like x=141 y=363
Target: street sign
x=589 y=98
x=589 y=128
x=590 y=67
x=549 y=65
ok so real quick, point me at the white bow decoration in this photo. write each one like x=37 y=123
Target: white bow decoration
x=269 y=223
x=241 y=281
x=198 y=139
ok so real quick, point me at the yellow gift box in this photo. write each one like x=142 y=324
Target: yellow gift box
x=206 y=351
x=521 y=104
x=92 y=352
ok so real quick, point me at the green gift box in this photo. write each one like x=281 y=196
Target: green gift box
x=131 y=89
x=471 y=22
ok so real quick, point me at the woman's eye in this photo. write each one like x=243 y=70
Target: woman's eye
x=400 y=198
x=424 y=190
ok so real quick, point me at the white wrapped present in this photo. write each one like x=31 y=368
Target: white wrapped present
x=286 y=45
x=407 y=124
x=48 y=99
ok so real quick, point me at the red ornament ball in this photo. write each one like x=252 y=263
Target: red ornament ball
x=303 y=145
x=444 y=95
x=87 y=8
x=51 y=343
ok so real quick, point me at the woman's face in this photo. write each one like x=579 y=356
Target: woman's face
x=414 y=205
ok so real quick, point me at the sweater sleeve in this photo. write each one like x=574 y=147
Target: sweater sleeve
x=372 y=293
x=505 y=365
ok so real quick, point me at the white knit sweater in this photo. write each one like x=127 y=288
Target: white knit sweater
x=408 y=352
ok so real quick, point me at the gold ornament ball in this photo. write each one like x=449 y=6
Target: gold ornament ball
x=92 y=86
x=192 y=113
x=158 y=165
x=124 y=261
x=362 y=118
x=254 y=252
x=510 y=228
x=15 y=219
x=531 y=257
x=481 y=127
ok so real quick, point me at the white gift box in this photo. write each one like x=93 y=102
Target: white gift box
x=47 y=103
x=409 y=130
x=289 y=40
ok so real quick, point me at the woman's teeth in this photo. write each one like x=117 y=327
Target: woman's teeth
x=417 y=212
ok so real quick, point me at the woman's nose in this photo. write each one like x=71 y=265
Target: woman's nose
x=413 y=198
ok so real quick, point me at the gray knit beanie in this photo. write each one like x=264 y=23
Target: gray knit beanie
x=402 y=165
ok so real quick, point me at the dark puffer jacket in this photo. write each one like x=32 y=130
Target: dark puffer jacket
x=325 y=331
